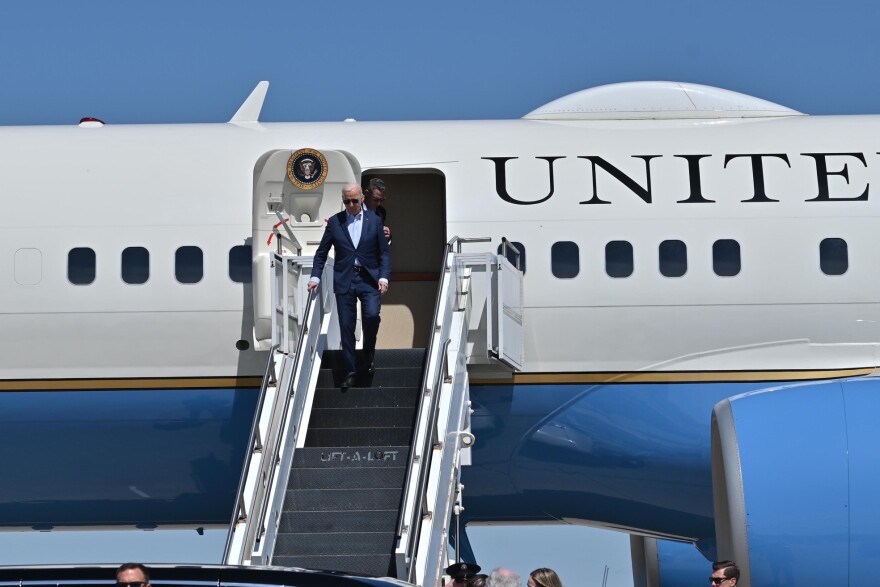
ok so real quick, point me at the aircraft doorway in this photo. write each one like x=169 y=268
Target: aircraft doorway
x=416 y=208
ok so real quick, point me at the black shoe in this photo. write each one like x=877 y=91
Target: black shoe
x=347 y=382
x=369 y=367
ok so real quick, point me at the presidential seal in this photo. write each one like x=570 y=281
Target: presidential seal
x=307 y=169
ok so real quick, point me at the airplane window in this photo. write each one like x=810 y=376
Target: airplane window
x=511 y=255
x=28 y=266
x=833 y=256
x=188 y=265
x=81 y=266
x=725 y=258
x=240 y=264
x=673 y=258
x=619 y=259
x=135 y=265
x=564 y=260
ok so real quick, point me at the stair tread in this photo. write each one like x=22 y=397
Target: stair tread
x=347 y=478
x=376 y=565
x=382 y=378
x=323 y=543
x=340 y=521
x=382 y=357
x=323 y=500
x=373 y=417
x=346 y=457
x=351 y=437
x=366 y=397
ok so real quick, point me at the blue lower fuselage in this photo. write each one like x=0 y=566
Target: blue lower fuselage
x=631 y=456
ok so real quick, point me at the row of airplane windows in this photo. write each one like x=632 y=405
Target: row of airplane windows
x=189 y=265
x=564 y=261
x=672 y=258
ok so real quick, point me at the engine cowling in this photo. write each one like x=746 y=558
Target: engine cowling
x=795 y=475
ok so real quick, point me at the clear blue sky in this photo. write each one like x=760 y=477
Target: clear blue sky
x=196 y=61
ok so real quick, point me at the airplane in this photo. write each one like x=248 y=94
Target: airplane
x=699 y=326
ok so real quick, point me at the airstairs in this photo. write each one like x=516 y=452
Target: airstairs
x=367 y=480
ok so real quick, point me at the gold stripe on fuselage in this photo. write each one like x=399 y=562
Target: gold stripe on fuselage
x=123 y=383
x=517 y=379
x=672 y=377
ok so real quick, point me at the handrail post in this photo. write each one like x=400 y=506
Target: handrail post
x=505 y=244
x=457 y=240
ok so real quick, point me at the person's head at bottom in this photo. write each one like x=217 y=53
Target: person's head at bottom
x=502 y=577
x=724 y=574
x=132 y=575
x=461 y=573
x=544 y=577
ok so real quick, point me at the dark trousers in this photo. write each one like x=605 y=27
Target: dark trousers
x=368 y=293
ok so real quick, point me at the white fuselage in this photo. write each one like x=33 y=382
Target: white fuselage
x=163 y=187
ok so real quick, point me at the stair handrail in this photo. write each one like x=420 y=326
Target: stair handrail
x=238 y=512
x=250 y=536
x=285 y=223
x=442 y=370
x=270 y=449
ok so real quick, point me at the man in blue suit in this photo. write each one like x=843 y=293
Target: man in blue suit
x=361 y=270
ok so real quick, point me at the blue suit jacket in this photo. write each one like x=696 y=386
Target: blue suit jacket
x=372 y=251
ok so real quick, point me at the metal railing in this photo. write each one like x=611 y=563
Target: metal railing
x=270 y=449
x=505 y=245
x=255 y=445
x=290 y=425
x=284 y=222
x=428 y=401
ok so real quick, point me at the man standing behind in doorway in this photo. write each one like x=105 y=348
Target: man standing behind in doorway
x=361 y=271
x=374 y=198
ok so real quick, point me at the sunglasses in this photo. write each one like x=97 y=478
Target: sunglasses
x=351 y=201
x=718 y=580
x=131 y=584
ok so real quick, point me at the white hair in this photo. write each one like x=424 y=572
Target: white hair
x=351 y=187
x=504 y=578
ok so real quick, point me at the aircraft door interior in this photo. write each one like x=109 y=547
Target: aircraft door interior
x=416 y=214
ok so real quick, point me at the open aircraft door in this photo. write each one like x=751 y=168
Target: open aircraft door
x=508 y=323
x=295 y=191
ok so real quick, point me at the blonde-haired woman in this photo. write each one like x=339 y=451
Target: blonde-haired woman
x=544 y=577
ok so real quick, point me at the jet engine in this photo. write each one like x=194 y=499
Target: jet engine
x=795 y=476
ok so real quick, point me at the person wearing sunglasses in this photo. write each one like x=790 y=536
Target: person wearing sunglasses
x=132 y=575
x=361 y=271
x=724 y=573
